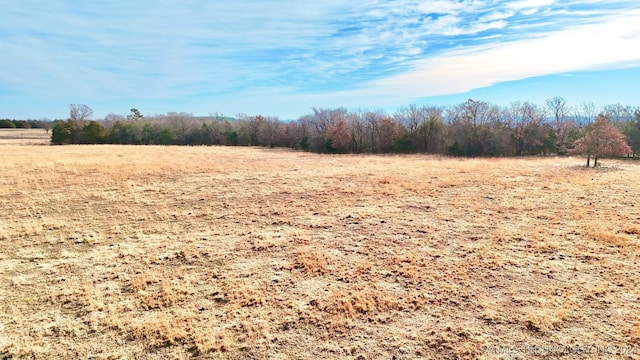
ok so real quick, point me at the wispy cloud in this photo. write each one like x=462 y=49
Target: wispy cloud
x=250 y=55
x=610 y=43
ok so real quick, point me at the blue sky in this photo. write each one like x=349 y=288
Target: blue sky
x=282 y=58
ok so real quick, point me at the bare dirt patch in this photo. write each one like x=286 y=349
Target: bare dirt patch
x=211 y=252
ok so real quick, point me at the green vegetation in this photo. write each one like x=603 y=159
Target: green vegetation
x=24 y=124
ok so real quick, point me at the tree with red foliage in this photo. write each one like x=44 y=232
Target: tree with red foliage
x=338 y=137
x=601 y=140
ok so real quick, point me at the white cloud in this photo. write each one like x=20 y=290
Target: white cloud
x=613 y=42
x=444 y=6
x=496 y=15
x=529 y=4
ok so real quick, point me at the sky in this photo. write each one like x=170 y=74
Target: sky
x=285 y=57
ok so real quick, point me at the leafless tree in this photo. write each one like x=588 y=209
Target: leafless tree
x=559 y=109
x=588 y=111
x=79 y=114
x=617 y=113
x=46 y=124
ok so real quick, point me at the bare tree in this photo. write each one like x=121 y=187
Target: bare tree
x=588 y=111
x=358 y=131
x=559 y=109
x=618 y=113
x=180 y=123
x=270 y=132
x=421 y=128
x=80 y=113
x=527 y=133
x=46 y=124
x=320 y=123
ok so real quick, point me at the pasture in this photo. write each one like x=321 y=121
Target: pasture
x=122 y=252
x=24 y=137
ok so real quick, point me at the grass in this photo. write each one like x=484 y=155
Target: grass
x=24 y=137
x=212 y=252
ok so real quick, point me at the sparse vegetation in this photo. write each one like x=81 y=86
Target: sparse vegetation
x=226 y=252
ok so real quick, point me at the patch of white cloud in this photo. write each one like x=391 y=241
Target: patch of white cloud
x=529 y=12
x=496 y=15
x=612 y=42
x=446 y=6
x=529 y=4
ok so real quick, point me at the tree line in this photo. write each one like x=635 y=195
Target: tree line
x=472 y=128
x=25 y=124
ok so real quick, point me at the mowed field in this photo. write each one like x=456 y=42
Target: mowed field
x=122 y=252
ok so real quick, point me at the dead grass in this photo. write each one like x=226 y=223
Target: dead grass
x=312 y=262
x=210 y=252
x=24 y=137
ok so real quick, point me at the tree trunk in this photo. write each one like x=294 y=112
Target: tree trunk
x=595 y=161
x=588 y=160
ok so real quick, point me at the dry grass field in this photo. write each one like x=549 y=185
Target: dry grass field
x=24 y=137
x=123 y=252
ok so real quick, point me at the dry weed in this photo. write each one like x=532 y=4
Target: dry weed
x=608 y=238
x=162 y=330
x=166 y=293
x=312 y=262
x=635 y=333
x=545 y=320
x=351 y=303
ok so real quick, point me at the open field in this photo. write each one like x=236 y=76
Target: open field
x=110 y=252
x=24 y=137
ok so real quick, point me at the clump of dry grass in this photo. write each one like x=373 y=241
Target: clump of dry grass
x=609 y=238
x=635 y=333
x=245 y=293
x=312 y=262
x=212 y=340
x=369 y=301
x=545 y=320
x=162 y=330
x=166 y=293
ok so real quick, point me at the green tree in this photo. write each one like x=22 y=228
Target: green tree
x=62 y=133
x=229 y=134
x=149 y=134
x=135 y=115
x=122 y=133
x=166 y=137
x=93 y=133
x=22 y=124
x=632 y=133
x=7 y=124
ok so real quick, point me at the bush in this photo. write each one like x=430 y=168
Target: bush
x=93 y=133
x=7 y=124
x=62 y=133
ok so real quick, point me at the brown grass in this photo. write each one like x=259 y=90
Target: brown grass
x=210 y=252
x=24 y=137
